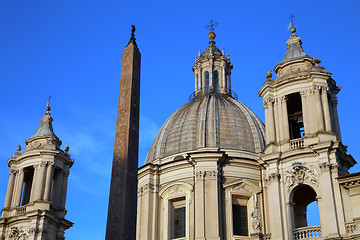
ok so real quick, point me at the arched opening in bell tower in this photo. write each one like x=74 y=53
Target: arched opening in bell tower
x=27 y=185
x=295 y=115
x=303 y=198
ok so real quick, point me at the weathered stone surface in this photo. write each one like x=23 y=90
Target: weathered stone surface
x=121 y=222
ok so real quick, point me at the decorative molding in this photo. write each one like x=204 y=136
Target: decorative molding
x=324 y=167
x=176 y=190
x=272 y=177
x=146 y=188
x=34 y=145
x=300 y=174
x=213 y=174
x=241 y=188
x=17 y=233
x=200 y=175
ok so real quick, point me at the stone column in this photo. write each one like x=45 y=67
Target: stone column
x=271 y=120
x=212 y=205
x=285 y=118
x=10 y=188
x=196 y=76
x=34 y=183
x=274 y=206
x=319 y=111
x=336 y=118
x=310 y=113
x=267 y=134
x=305 y=113
x=325 y=105
x=327 y=208
x=64 y=189
x=48 y=181
x=19 y=185
x=39 y=182
x=276 y=120
x=199 y=205
x=121 y=221
x=280 y=119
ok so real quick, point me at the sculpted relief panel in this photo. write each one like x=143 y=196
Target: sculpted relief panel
x=300 y=174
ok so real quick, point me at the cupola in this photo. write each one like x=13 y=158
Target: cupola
x=212 y=69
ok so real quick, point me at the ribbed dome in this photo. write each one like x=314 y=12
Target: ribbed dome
x=214 y=121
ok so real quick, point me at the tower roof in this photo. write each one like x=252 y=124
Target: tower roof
x=44 y=133
x=294 y=50
x=45 y=128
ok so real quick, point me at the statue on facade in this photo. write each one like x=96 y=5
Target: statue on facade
x=256 y=222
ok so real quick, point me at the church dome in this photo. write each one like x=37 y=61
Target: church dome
x=213 y=119
x=209 y=121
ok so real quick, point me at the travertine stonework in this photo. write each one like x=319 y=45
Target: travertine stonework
x=36 y=194
x=214 y=155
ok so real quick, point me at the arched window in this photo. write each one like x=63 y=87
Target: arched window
x=303 y=197
x=206 y=82
x=216 y=81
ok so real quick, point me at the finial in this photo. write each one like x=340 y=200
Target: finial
x=315 y=61
x=48 y=105
x=269 y=75
x=66 y=149
x=199 y=52
x=132 y=38
x=223 y=51
x=229 y=56
x=211 y=28
x=18 y=149
x=291 y=25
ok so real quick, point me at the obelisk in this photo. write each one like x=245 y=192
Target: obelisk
x=121 y=221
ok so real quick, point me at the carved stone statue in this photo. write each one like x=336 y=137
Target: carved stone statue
x=257 y=221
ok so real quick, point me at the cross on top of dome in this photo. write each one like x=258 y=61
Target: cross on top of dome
x=212 y=25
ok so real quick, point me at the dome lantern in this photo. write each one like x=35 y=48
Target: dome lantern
x=212 y=70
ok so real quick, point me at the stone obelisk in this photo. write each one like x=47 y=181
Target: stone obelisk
x=121 y=221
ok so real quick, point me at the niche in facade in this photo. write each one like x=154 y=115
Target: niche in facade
x=295 y=115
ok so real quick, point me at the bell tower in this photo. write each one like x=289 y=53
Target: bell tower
x=304 y=155
x=301 y=103
x=36 y=193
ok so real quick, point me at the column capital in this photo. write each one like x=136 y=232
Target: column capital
x=303 y=93
x=283 y=98
x=317 y=88
x=324 y=89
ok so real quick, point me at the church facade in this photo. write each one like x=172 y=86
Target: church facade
x=215 y=171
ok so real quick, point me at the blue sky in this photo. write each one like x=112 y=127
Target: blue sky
x=71 y=50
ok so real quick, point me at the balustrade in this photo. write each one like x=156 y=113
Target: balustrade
x=296 y=143
x=310 y=233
